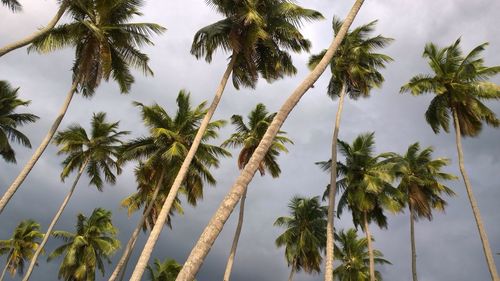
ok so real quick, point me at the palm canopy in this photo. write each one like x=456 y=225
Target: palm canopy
x=248 y=137
x=305 y=235
x=10 y=121
x=98 y=151
x=21 y=246
x=352 y=253
x=259 y=34
x=163 y=271
x=13 y=5
x=460 y=83
x=356 y=63
x=106 y=43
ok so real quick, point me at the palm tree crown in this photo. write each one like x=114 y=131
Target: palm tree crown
x=163 y=271
x=14 y=5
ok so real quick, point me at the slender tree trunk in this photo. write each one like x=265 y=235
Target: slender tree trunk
x=27 y=40
x=370 y=247
x=4 y=271
x=292 y=273
x=475 y=209
x=214 y=227
x=122 y=263
x=38 y=152
x=236 y=238
x=330 y=228
x=172 y=194
x=413 y=247
x=46 y=236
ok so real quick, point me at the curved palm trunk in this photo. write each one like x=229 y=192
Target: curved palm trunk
x=413 y=247
x=232 y=253
x=27 y=40
x=292 y=273
x=46 y=236
x=330 y=229
x=370 y=247
x=172 y=194
x=214 y=227
x=475 y=209
x=4 y=271
x=122 y=263
x=38 y=152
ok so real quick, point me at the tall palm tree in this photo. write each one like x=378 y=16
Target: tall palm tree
x=259 y=35
x=13 y=5
x=86 y=250
x=95 y=153
x=10 y=121
x=20 y=247
x=163 y=271
x=461 y=85
x=305 y=236
x=106 y=46
x=352 y=254
x=247 y=137
x=164 y=150
x=355 y=71
x=214 y=227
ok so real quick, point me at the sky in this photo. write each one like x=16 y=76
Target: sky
x=448 y=248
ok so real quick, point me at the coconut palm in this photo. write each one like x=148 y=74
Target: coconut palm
x=13 y=5
x=10 y=121
x=95 y=153
x=20 y=247
x=461 y=85
x=305 y=236
x=352 y=253
x=247 y=137
x=163 y=271
x=214 y=227
x=86 y=250
x=355 y=71
x=106 y=46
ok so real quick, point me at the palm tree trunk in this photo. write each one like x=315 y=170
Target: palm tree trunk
x=4 y=271
x=122 y=263
x=370 y=247
x=46 y=236
x=413 y=247
x=475 y=209
x=27 y=40
x=172 y=194
x=214 y=227
x=330 y=229
x=236 y=238
x=38 y=152
x=292 y=273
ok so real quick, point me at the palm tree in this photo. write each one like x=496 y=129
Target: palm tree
x=96 y=153
x=305 y=235
x=214 y=227
x=20 y=247
x=355 y=71
x=163 y=271
x=352 y=254
x=259 y=36
x=10 y=121
x=106 y=46
x=86 y=250
x=163 y=152
x=248 y=137
x=461 y=85
x=13 y=5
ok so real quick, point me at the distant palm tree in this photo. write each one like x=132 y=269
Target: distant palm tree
x=86 y=250
x=248 y=137
x=461 y=86
x=106 y=46
x=14 y=5
x=20 y=247
x=96 y=153
x=305 y=235
x=10 y=121
x=163 y=271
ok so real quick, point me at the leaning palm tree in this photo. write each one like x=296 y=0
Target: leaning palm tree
x=461 y=86
x=86 y=250
x=10 y=121
x=247 y=137
x=20 y=247
x=355 y=71
x=95 y=153
x=163 y=271
x=221 y=215
x=106 y=46
x=13 y=5
x=305 y=236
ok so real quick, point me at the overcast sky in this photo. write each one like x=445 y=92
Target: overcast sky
x=448 y=247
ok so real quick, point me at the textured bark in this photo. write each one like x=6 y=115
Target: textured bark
x=475 y=209
x=38 y=152
x=162 y=217
x=214 y=227
x=413 y=247
x=370 y=247
x=234 y=246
